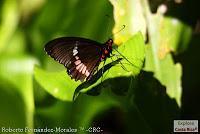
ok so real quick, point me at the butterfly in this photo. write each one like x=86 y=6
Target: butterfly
x=80 y=56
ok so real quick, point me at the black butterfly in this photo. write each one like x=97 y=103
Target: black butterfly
x=80 y=56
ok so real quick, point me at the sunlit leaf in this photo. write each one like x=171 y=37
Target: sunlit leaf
x=58 y=84
x=165 y=36
x=166 y=71
x=130 y=14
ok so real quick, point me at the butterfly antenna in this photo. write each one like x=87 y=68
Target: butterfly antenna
x=123 y=56
x=118 y=31
x=102 y=70
x=109 y=17
x=120 y=63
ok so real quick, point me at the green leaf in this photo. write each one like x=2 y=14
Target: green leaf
x=173 y=36
x=18 y=71
x=58 y=84
x=165 y=35
x=168 y=73
x=130 y=14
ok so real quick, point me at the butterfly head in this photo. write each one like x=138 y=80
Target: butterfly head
x=107 y=49
x=109 y=43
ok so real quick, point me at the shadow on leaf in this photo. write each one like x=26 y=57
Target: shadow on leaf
x=152 y=103
x=118 y=85
x=95 y=77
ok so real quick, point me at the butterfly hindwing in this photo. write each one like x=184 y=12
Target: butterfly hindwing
x=80 y=56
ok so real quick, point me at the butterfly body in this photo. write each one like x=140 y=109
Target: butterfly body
x=80 y=56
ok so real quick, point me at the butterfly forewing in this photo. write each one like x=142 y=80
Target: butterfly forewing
x=80 y=56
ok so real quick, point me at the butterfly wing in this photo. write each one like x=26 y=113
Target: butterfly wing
x=80 y=56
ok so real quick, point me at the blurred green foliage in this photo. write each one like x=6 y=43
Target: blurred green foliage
x=36 y=92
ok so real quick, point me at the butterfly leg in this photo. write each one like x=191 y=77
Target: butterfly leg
x=102 y=71
x=123 y=67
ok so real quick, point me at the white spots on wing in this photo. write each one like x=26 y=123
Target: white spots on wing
x=78 y=67
x=76 y=57
x=82 y=68
x=75 y=51
x=87 y=73
x=77 y=62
